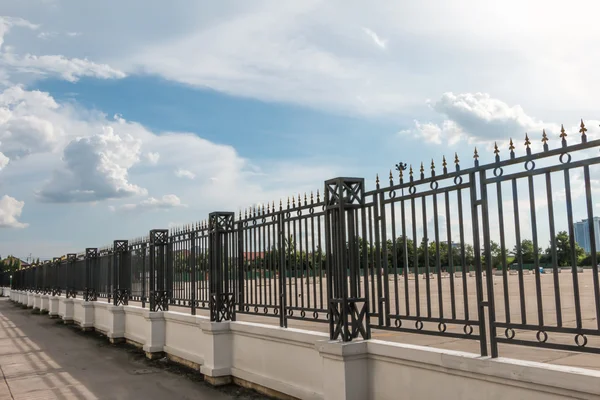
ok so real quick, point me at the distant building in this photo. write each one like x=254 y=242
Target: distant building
x=582 y=234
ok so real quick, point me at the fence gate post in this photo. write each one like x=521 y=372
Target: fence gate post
x=71 y=290
x=120 y=264
x=347 y=311
x=159 y=296
x=91 y=258
x=222 y=299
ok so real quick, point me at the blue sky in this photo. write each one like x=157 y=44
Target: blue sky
x=117 y=120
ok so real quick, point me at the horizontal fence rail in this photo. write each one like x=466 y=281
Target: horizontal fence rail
x=481 y=252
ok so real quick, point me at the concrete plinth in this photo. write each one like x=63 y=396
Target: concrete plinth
x=115 y=319
x=37 y=302
x=45 y=304
x=218 y=358
x=66 y=310
x=83 y=314
x=30 y=299
x=345 y=369
x=53 y=306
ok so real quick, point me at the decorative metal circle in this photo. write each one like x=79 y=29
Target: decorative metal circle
x=327 y=316
x=255 y=309
x=458 y=180
x=433 y=185
x=509 y=333
x=254 y=221
x=315 y=315
x=287 y=214
x=276 y=311
x=247 y=308
x=302 y=314
x=529 y=165
x=263 y=220
x=245 y=224
x=539 y=336
x=419 y=325
x=291 y=313
x=299 y=213
x=498 y=171
x=442 y=327
x=563 y=161
x=266 y=310
x=323 y=207
x=578 y=336
x=311 y=210
x=273 y=217
x=392 y=194
x=412 y=189
x=468 y=329
x=398 y=323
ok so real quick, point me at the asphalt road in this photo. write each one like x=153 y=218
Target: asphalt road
x=40 y=358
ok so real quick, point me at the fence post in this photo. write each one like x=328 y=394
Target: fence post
x=159 y=242
x=91 y=258
x=347 y=311
x=192 y=265
x=120 y=290
x=71 y=291
x=222 y=299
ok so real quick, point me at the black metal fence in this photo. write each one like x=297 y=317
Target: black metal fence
x=425 y=254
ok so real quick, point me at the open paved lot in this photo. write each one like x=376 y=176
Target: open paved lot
x=42 y=359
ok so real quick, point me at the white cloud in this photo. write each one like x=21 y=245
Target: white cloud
x=166 y=202
x=95 y=168
x=152 y=157
x=184 y=173
x=3 y=160
x=378 y=41
x=69 y=69
x=6 y=23
x=10 y=211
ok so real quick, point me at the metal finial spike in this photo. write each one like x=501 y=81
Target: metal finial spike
x=475 y=154
x=280 y=204
x=293 y=201
x=563 y=134
x=401 y=171
x=305 y=199
x=456 y=160
x=496 y=150
x=268 y=208
x=444 y=163
x=299 y=199
x=422 y=171
x=583 y=130
x=263 y=209
x=377 y=179
x=391 y=176
x=410 y=171
x=273 y=205
x=318 y=196
x=312 y=199
x=511 y=145
x=288 y=203
x=544 y=136
x=527 y=141
x=245 y=213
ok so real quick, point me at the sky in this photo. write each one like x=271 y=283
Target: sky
x=120 y=118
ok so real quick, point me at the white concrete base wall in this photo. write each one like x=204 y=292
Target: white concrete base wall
x=65 y=309
x=45 y=303
x=306 y=365
x=53 y=306
x=83 y=313
x=37 y=301
x=30 y=299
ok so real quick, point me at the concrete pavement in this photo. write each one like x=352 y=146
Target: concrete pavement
x=42 y=359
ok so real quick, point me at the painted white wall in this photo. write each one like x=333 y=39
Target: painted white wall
x=45 y=305
x=307 y=365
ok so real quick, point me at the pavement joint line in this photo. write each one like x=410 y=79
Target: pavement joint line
x=6 y=383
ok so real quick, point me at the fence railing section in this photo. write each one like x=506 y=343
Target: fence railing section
x=428 y=253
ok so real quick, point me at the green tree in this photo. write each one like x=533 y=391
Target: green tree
x=563 y=251
x=526 y=253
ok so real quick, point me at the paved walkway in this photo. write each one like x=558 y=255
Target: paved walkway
x=42 y=359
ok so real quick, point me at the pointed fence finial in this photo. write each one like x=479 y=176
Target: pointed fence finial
x=377 y=180
x=583 y=130
x=456 y=162
x=545 y=139
x=563 y=136
x=476 y=157
x=422 y=170
x=527 y=144
x=444 y=164
x=410 y=173
x=318 y=196
x=391 y=178
x=312 y=200
x=511 y=147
